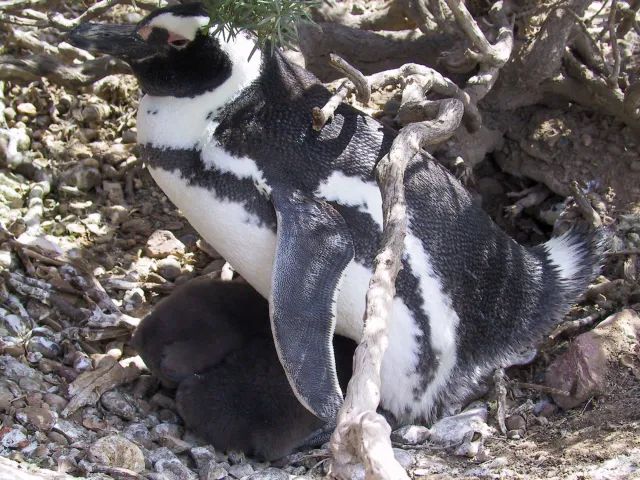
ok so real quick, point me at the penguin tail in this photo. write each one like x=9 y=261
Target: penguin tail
x=577 y=256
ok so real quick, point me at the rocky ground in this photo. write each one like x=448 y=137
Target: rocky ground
x=89 y=244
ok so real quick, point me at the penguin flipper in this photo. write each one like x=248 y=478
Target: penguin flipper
x=313 y=249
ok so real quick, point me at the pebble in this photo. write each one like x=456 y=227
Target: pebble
x=118 y=404
x=166 y=430
x=30 y=385
x=174 y=444
x=5 y=259
x=212 y=471
x=13 y=437
x=240 y=470
x=174 y=469
x=214 y=267
x=115 y=192
x=72 y=431
x=42 y=419
x=452 y=430
x=163 y=243
x=583 y=369
x=203 y=455
x=139 y=433
x=404 y=458
x=162 y=453
x=410 y=435
x=58 y=438
x=28 y=109
x=268 y=474
x=82 y=177
x=55 y=402
x=47 y=347
x=117 y=214
x=516 y=422
x=129 y=136
x=16 y=326
x=169 y=268
x=117 y=451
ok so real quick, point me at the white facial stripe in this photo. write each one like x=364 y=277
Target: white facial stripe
x=353 y=192
x=186 y=27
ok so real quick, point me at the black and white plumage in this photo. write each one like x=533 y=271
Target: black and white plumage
x=212 y=341
x=230 y=142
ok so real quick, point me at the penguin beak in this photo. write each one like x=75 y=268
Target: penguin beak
x=120 y=41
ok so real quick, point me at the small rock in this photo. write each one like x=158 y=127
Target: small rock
x=410 y=435
x=92 y=422
x=72 y=431
x=516 y=422
x=47 y=347
x=118 y=404
x=203 y=455
x=165 y=430
x=404 y=458
x=117 y=214
x=114 y=192
x=117 y=451
x=635 y=166
x=138 y=432
x=129 y=136
x=5 y=259
x=58 y=438
x=16 y=325
x=586 y=139
x=584 y=368
x=515 y=434
x=163 y=243
x=174 y=470
x=235 y=457
x=27 y=109
x=10 y=113
x=214 y=267
x=452 y=430
x=169 y=268
x=30 y=385
x=82 y=363
x=174 y=444
x=208 y=249
x=240 y=470
x=268 y=474
x=41 y=419
x=13 y=437
x=162 y=453
x=82 y=177
x=212 y=471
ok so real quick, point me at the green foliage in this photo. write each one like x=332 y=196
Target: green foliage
x=273 y=22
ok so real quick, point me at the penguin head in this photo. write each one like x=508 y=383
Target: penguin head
x=171 y=51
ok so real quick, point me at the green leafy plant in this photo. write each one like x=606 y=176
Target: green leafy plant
x=273 y=22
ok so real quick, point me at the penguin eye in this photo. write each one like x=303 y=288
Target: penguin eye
x=177 y=41
x=182 y=42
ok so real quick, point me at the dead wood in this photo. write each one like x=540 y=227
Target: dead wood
x=368 y=51
x=35 y=67
x=89 y=386
x=26 y=471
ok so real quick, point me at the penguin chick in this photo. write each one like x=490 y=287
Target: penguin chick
x=197 y=326
x=212 y=339
x=246 y=403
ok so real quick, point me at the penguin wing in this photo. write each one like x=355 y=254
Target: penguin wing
x=313 y=249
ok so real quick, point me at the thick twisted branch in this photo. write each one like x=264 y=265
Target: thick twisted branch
x=362 y=434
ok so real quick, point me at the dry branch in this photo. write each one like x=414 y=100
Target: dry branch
x=35 y=67
x=585 y=205
x=361 y=434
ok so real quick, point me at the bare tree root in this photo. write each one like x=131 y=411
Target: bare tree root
x=370 y=52
x=361 y=434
